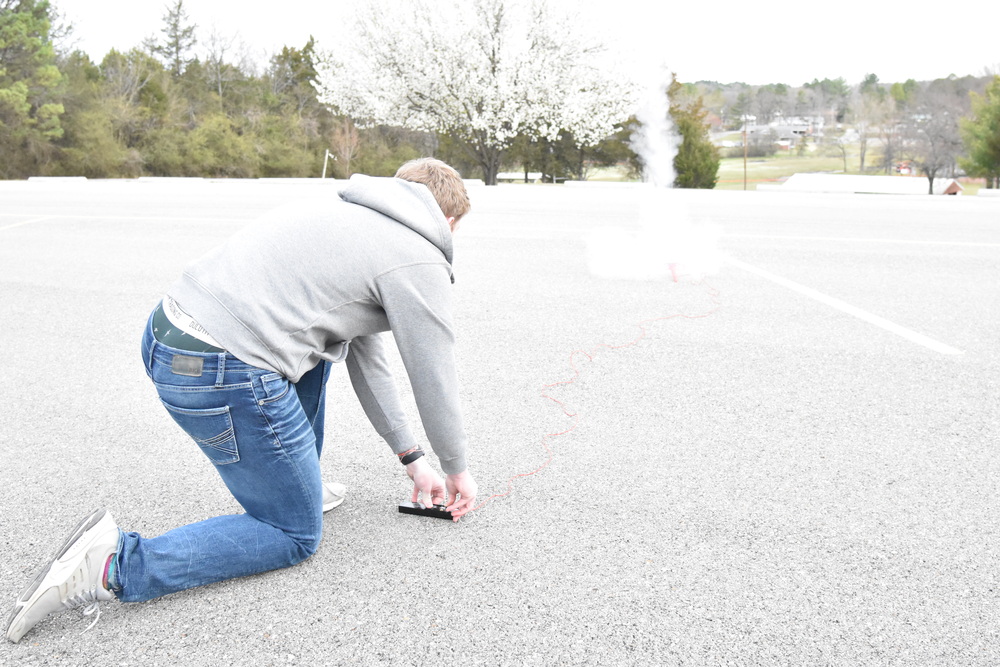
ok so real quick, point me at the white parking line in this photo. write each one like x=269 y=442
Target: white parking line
x=843 y=306
x=28 y=222
x=136 y=218
x=860 y=239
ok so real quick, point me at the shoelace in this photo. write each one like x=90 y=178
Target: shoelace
x=88 y=598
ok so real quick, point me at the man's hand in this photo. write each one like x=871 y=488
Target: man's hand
x=462 y=491
x=426 y=482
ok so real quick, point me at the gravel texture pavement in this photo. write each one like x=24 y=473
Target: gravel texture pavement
x=775 y=483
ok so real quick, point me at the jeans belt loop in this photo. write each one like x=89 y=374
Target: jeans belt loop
x=220 y=374
x=152 y=350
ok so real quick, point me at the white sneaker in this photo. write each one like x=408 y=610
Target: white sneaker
x=333 y=495
x=73 y=577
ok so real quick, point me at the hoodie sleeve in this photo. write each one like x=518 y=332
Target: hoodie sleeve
x=417 y=302
x=376 y=390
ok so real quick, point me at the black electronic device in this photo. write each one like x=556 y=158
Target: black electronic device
x=436 y=511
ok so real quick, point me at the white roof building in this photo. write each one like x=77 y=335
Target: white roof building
x=858 y=184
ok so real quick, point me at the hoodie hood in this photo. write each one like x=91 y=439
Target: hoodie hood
x=410 y=204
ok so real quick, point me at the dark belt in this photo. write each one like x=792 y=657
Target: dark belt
x=171 y=336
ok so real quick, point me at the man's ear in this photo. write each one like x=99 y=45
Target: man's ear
x=453 y=224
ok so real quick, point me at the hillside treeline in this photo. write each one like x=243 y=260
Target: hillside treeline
x=160 y=110
x=186 y=104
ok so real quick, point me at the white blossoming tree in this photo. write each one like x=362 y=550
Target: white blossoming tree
x=481 y=71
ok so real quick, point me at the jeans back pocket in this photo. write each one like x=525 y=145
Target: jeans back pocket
x=211 y=429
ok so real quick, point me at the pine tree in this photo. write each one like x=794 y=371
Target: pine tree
x=697 y=160
x=981 y=135
x=178 y=39
x=30 y=107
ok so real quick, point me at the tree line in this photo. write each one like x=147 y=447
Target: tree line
x=945 y=127
x=518 y=92
x=159 y=109
x=181 y=104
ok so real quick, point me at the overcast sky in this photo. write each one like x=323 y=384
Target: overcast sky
x=757 y=43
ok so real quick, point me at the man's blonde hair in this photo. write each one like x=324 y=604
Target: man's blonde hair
x=443 y=181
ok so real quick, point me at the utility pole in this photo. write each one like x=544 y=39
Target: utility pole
x=744 y=151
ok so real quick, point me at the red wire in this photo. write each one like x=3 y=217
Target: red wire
x=575 y=416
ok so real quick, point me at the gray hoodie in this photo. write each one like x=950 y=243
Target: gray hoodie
x=321 y=281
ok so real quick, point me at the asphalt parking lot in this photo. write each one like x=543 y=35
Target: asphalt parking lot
x=795 y=464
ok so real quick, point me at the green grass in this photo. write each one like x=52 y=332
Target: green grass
x=769 y=170
x=779 y=167
x=616 y=174
x=759 y=170
x=970 y=187
x=774 y=169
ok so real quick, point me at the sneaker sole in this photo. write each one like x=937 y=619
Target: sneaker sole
x=336 y=503
x=29 y=591
x=337 y=491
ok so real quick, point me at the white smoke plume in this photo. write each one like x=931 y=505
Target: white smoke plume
x=668 y=243
x=656 y=140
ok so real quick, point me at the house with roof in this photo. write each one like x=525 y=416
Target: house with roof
x=862 y=184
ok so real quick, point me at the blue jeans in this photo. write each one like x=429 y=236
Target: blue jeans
x=264 y=436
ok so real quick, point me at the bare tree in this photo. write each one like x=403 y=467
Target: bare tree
x=933 y=132
x=126 y=75
x=218 y=68
x=770 y=101
x=842 y=143
x=891 y=138
x=346 y=142
x=870 y=111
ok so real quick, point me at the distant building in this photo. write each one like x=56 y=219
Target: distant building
x=787 y=132
x=857 y=184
